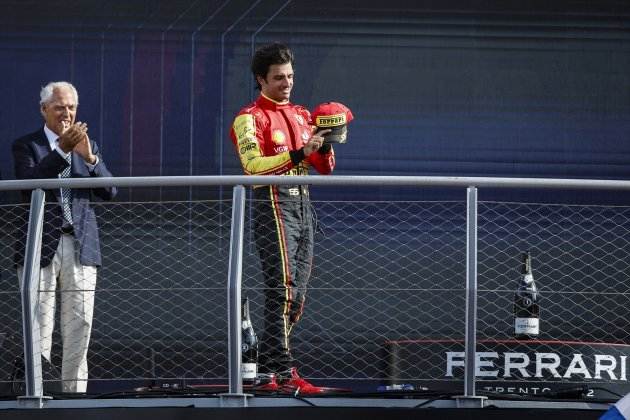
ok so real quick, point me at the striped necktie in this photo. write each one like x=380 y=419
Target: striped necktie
x=66 y=193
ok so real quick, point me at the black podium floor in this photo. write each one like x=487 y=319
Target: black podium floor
x=302 y=413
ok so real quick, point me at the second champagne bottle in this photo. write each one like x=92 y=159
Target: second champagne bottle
x=526 y=303
x=249 y=346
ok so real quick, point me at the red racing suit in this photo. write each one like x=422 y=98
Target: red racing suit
x=269 y=138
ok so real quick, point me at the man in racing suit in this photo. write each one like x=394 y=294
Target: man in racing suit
x=275 y=137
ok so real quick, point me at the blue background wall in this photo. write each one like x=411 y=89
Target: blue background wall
x=465 y=88
x=461 y=88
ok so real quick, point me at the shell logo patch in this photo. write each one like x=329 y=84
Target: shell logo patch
x=278 y=137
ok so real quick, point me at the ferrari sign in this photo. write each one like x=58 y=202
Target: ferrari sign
x=541 y=365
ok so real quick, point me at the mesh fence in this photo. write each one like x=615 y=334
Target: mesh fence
x=581 y=267
x=11 y=216
x=161 y=302
x=383 y=273
x=385 y=302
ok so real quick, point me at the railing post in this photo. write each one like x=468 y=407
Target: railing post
x=235 y=396
x=34 y=391
x=469 y=399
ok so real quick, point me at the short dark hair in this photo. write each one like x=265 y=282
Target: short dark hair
x=268 y=55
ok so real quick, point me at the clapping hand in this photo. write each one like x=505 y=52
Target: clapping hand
x=83 y=148
x=72 y=135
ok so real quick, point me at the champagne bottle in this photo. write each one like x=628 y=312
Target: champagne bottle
x=526 y=305
x=249 y=346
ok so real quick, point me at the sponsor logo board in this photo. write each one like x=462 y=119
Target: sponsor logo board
x=513 y=366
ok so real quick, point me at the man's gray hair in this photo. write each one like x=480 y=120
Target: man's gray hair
x=46 y=93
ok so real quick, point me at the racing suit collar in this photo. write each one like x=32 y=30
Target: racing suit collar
x=269 y=103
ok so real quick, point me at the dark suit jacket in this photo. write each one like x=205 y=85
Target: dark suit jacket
x=33 y=159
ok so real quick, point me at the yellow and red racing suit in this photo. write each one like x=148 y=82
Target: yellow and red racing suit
x=269 y=139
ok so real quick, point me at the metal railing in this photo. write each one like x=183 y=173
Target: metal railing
x=396 y=284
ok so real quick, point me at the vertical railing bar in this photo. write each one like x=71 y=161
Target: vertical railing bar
x=29 y=293
x=234 y=291
x=471 y=291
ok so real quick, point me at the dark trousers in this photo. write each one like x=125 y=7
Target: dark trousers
x=284 y=238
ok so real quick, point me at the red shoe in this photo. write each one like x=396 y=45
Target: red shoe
x=266 y=382
x=294 y=384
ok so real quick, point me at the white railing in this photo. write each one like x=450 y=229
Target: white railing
x=34 y=391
